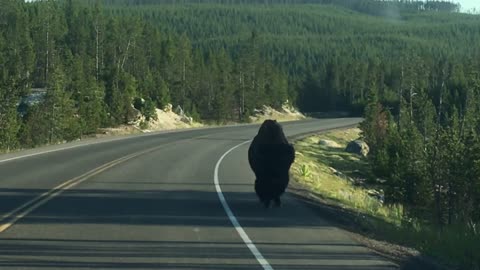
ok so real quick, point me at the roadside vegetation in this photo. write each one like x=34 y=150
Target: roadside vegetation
x=345 y=180
x=341 y=177
x=168 y=119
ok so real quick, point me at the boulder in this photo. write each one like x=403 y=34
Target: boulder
x=257 y=111
x=179 y=111
x=168 y=108
x=186 y=119
x=133 y=115
x=376 y=194
x=329 y=143
x=358 y=147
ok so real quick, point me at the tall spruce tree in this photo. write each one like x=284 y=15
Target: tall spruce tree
x=16 y=61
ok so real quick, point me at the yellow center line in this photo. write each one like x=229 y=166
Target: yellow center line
x=20 y=212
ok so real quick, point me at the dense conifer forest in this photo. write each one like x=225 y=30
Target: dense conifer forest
x=220 y=60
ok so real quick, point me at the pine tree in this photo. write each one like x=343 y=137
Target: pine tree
x=59 y=109
x=92 y=110
x=417 y=196
x=8 y=120
x=387 y=163
x=149 y=110
x=374 y=124
x=16 y=60
x=162 y=95
x=182 y=72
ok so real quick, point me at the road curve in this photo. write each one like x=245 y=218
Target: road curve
x=151 y=202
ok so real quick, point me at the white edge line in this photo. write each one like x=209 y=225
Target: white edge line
x=98 y=141
x=64 y=148
x=261 y=260
x=44 y=152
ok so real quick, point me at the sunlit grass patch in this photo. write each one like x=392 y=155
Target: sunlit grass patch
x=334 y=174
x=344 y=180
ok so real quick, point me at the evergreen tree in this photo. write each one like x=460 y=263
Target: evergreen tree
x=59 y=110
x=16 y=60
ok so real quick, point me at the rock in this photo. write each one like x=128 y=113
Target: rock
x=267 y=110
x=376 y=194
x=133 y=115
x=186 y=119
x=381 y=181
x=352 y=158
x=257 y=111
x=329 y=143
x=179 y=111
x=358 y=147
x=358 y=181
x=168 y=108
x=337 y=157
x=285 y=110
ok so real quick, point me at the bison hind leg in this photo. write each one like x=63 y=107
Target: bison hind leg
x=266 y=203
x=277 y=202
x=263 y=192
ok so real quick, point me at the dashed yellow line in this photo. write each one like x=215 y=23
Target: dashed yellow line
x=20 y=212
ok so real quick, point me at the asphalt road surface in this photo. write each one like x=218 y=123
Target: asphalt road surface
x=178 y=200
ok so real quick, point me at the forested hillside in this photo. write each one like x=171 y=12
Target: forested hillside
x=219 y=60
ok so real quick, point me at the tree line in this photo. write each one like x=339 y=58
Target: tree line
x=368 y=6
x=427 y=151
x=100 y=61
x=95 y=67
x=328 y=52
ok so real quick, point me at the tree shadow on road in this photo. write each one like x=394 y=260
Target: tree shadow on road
x=100 y=254
x=33 y=242
x=144 y=207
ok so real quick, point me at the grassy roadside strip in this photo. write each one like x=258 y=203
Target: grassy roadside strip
x=341 y=187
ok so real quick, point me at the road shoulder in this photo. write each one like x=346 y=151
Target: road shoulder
x=355 y=223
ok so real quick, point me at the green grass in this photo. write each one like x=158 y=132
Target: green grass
x=327 y=172
x=315 y=167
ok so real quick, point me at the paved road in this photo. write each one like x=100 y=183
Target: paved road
x=150 y=202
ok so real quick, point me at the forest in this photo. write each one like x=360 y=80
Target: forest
x=412 y=68
x=219 y=60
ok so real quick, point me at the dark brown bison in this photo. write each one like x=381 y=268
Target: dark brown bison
x=270 y=157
